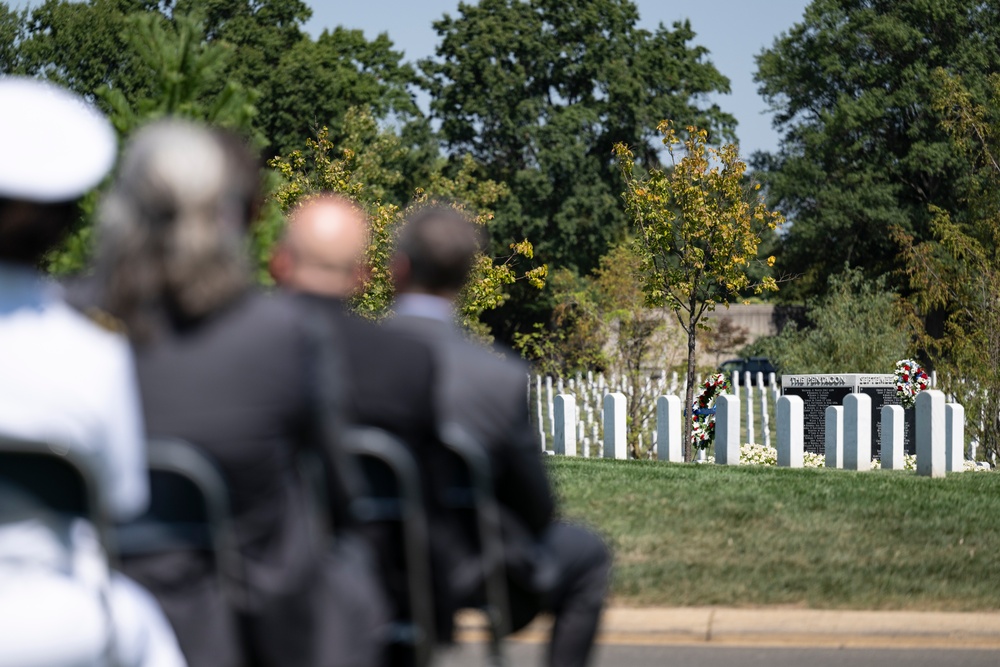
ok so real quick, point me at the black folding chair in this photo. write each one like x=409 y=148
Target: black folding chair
x=394 y=496
x=58 y=478
x=188 y=510
x=470 y=492
x=61 y=481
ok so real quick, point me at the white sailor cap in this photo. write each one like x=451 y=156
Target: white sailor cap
x=54 y=146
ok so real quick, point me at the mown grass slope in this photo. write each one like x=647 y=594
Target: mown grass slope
x=686 y=534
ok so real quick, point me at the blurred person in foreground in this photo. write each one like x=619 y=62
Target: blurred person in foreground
x=388 y=378
x=232 y=371
x=551 y=566
x=70 y=383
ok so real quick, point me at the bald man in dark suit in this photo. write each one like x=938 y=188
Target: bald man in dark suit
x=387 y=378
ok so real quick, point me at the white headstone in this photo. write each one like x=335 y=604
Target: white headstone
x=834 y=440
x=615 y=439
x=765 y=426
x=789 y=411
x=668 y=429
x=565 y=411
x=857 y=432
x=541 y=411
x=749 y=386
x=930 y=433
x=727 y=430
x=893 y=423
x=548 y=403
x=954 y=439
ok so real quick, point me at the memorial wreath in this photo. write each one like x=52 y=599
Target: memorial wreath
x=910 y=381
x=703 y=412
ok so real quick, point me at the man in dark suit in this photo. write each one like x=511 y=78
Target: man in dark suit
x=387 y=379
x=551 y=566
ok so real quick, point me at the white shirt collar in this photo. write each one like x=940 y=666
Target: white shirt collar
x=22 y=286
x=425 y=305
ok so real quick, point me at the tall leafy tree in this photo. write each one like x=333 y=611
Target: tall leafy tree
x=957 y=270
x=698 y=231
x=82 y=45
x=539 y=91
x=314 y=83
x=862 y=149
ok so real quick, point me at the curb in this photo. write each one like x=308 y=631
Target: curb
x=720 y=626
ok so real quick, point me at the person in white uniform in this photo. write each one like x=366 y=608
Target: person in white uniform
x=68 y=382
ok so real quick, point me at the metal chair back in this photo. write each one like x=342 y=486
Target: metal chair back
x=58 y=478
x=394 y=496
x=61 y=480
x=471 y=490
x=188 y=510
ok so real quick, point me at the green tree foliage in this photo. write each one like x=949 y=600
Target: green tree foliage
x=299 y=84
x=10 y=35
x=858 y=326
x=957 y=271
x=698 y=230
x=181 y=68
x=82 y=45
x=315 y=83
x=863 y=150
x=539 y=91
x=359 y=169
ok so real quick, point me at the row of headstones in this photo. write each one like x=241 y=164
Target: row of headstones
x=940 y=433
x=589 y=392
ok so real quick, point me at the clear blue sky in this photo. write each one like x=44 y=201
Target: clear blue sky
x=734 y=31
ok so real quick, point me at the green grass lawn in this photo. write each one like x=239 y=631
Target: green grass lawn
x=685 y=534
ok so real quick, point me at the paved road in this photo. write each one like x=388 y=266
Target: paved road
x=530 y=655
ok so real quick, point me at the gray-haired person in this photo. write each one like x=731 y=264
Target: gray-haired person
x=70 y=383
x=231 y=370
x=551 y=566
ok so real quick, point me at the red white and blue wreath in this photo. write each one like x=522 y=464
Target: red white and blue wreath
x=703 y=412
x=910 y=381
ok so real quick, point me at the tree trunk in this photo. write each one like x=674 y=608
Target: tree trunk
x=688 y=411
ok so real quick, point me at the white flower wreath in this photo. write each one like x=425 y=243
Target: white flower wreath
x=702 y=414
x=910 y=381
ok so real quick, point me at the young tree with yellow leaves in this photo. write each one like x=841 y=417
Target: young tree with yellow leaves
x=698 y=228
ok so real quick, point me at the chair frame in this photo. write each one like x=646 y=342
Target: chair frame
x=383 y=447
x=96 y=511
x=487 y=517
x=179 y=457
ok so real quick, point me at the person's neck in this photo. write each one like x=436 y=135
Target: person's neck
x=422 y=303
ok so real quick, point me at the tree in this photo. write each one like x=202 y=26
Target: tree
x=358 y=170
x=315 y=83
x=539 y=91
x=858 y=326
x=863 y=150
x=698 y=229
x=10 y=36
x=82 y=45
x=957 y=271
x=181 y=68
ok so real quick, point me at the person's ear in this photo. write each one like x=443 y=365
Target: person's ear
x=280 y=266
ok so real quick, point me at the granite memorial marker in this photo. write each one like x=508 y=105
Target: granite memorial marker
x=818 y=392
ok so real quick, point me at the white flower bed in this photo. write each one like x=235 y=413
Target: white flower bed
x=759 y=455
